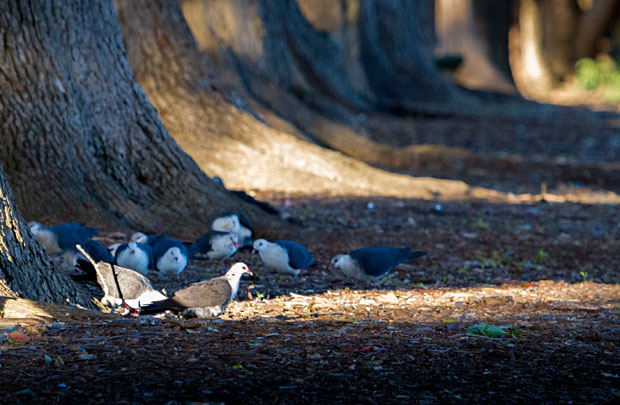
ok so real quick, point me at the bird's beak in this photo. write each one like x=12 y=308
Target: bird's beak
x=249 y=272
x=235 y=243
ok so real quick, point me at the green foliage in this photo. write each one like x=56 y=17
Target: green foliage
x=483 y=329
x=604 y=73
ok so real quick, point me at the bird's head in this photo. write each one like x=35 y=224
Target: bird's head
x=227 y=223
x=338 y=261
x=259 y=244
x=174 y=253
x=35 y=227
x=139 y=237
x=238 y=270
x=132 y=246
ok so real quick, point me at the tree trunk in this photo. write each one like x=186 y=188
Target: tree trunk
x=560 y=24
x=80 y=139
x=462 y=31
x=534 y=74
x=229 y=141
x=592 y=24
x=25 y=269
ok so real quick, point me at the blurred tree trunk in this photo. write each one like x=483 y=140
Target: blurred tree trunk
x=80 y=139
x=478 y=32
x=25 y=269
x=592 y=24
x=560 y=18
x=535 y=75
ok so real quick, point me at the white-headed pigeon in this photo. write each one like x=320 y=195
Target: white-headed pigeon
x=135 y=256
x=206 y=298
x=236 y=223
x=169 y=256
x=284 y=255
x=58 y=238
x=215 y=245
x=372 y=262
x=120 y=286
x=149 y=239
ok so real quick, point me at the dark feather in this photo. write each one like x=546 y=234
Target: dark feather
x=376 y=261
x=298 y=256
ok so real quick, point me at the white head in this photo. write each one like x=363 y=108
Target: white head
x=237 y=270
x=132 y=247
x=228 y=223
x=259 y=244
x=35 y=227
x=139 y=237
x=339 y=261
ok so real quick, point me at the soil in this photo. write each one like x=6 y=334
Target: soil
x=546 y=273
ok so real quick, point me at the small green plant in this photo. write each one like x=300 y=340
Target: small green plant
x=604 y=73
x=584 y=274
x=463 y=270
x=542 y=255
x=480 y=223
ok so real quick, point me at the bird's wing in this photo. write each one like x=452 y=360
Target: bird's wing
x=376 y=261
x=97 y=251
x=119 y=250
x=201 y=245
x=210 y=293
x=298 y=256
x=244 y=221
x=132 y=283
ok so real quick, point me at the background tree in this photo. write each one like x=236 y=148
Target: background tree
x=80 y=139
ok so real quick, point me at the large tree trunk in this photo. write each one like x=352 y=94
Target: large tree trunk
x=463 y=28
x=230 y=141
x=25 y=269
x=559 y=25
x=80 y=139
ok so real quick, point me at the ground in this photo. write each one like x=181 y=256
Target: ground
x=546 y=273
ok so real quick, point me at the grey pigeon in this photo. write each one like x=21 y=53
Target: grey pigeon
x=58 y=238
x=284 y=255
x=169 y=256
x=372 y=262
x=206 y=298
x=215 y=245
x=135 y=256
x=120 y=286
x=235 y=223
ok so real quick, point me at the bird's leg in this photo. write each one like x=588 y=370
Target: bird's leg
x=129 y=311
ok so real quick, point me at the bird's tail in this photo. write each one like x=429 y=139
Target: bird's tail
x=415 y=255
x=157 y=307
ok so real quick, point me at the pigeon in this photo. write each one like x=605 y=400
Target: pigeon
x=95 y=250
x=135 y=256
x=215 y=245
x=58 y=238
x=284 y=255
x=120 y=286
x=113 y=247
x=235 y=223
x=372 y=262
x=169 y=256
x=203 y=299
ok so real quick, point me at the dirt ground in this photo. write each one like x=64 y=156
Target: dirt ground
x=546 y=273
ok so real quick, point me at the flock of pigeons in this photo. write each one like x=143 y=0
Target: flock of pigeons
x=120 y=269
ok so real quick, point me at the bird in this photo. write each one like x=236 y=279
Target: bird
x=95 y=250
x=149 y=239
x=135 y=256
x=284 y=255
x=235 y=223
x=113 y=247
x=121 y=286
x=372 y=262
x=206 y=298
x=215 y=245
x=169 y=256
x=58 y=238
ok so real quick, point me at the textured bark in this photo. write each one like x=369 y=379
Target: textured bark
x=80 y=140
x=228 y=140
x=592 y=24
x=25 y=269
x=560 y=19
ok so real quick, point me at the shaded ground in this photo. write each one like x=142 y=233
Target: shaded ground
x=547 y=273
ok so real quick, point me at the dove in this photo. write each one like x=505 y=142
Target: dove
x=135 y=256
x=169 y=256
x=120 y=286
x=58 y=238
x=372 y=262
x=284 y=255
x=215 y=245
x=206 y=298
x=96 y=251
x=235 y=223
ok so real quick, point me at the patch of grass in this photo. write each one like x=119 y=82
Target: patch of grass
x=602 y=73
x=480 y=223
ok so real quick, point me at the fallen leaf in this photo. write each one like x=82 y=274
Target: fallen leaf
x=16 y=335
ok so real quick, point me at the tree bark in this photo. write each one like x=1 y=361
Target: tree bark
x=80 y=139
x=560 y=19
x=592 y=24
x=25 y=269
x=221 y=128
